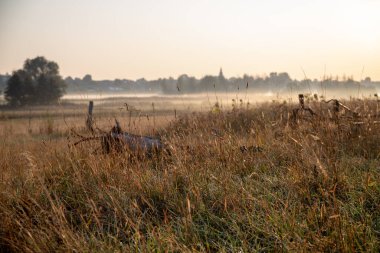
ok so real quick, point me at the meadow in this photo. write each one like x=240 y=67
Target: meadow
x=241 y=178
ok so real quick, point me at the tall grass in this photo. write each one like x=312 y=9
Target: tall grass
x=311 y=186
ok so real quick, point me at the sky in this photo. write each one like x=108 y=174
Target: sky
x=156 y=39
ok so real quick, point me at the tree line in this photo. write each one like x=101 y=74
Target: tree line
x=185 y=84
x=39 y=82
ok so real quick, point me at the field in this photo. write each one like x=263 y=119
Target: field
x=244 y=178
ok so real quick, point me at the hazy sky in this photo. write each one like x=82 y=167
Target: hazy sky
x=151 y=38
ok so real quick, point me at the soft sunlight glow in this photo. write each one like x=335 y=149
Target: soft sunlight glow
x=152 y=39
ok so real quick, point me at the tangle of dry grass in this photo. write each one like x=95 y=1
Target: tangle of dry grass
x=239 y=180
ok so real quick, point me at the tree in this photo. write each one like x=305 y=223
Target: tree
x=38 y=82
x=87 y=78
x=367 y=79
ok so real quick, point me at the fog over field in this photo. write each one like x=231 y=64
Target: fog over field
x=212 y=89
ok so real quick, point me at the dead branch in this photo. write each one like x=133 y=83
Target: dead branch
x=337 y=104
x=118 y=141
x=85 y=139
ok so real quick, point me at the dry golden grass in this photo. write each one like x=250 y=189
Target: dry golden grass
x=311 y=186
